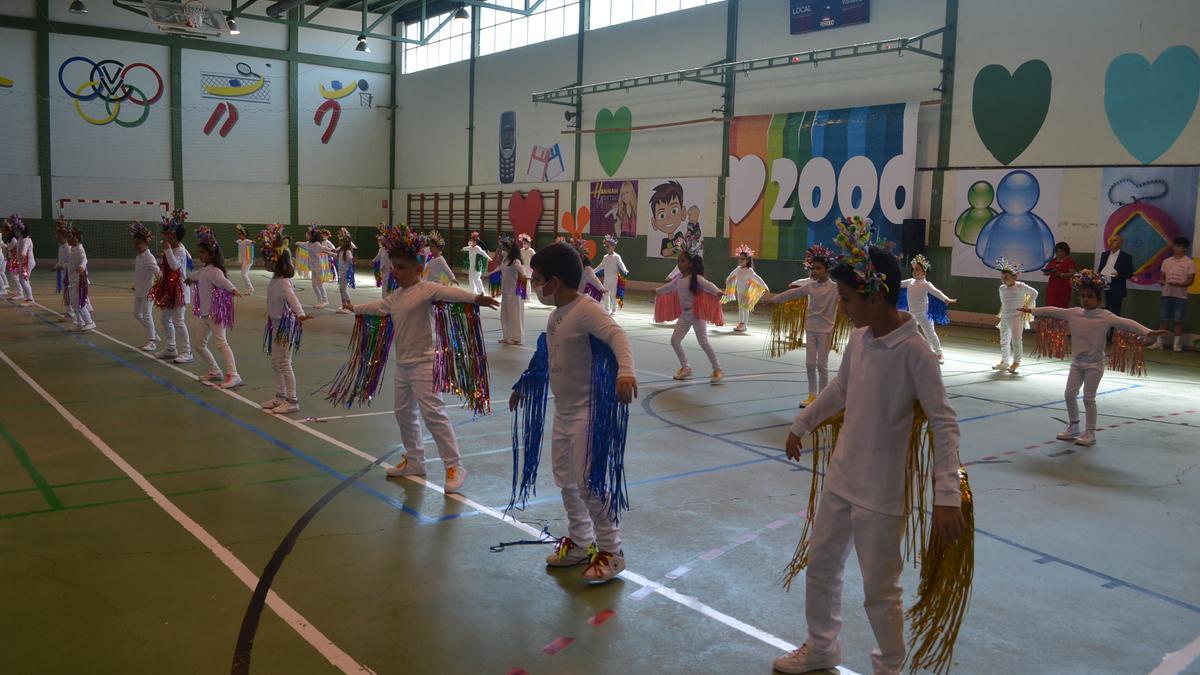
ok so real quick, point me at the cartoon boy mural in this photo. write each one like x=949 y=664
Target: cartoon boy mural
x=667 y=214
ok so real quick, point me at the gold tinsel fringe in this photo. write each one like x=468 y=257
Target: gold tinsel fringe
x=841 y=330
x=787 y=327
x=1053 y=338
x=823 y=438
x=1128 y=354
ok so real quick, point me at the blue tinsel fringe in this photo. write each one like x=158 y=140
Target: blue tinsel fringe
x=936 y=311
x=350 y=275
x=528 y=423
x=608 y=426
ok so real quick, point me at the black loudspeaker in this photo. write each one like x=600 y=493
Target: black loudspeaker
x=913 y=237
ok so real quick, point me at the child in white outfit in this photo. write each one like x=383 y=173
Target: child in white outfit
x=436 y=268
x=20 y=260
x=210 y=280
x=821 y=317
x=477 y=263
x=77 y=282
x=383 y=269
x=319 y=256
x=145 y=273
x=746 y=286
x=919 y=290
x=245 y=258
x=1014 y=295
x=612 y=267
x=689 y=285
x=169 y=293
x=61 y=280
x=345 y=267
x=512 y=305
x=285 y=314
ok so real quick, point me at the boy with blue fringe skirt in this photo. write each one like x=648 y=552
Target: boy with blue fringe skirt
x=591 y=416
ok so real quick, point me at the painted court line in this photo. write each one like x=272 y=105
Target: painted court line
x=667 y=592
x=303 y=627
x=1175 y=662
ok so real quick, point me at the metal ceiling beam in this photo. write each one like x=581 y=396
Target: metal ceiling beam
x=715 y=74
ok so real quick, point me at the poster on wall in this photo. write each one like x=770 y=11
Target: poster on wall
x=791 y=175
x=811 y=15
x=1010 y=214
x=543 y=164
x=614 y=205
x=1148 y=207
x=673 y=207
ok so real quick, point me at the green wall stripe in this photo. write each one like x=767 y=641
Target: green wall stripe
x=293 y=39
x=45 y=168
x=177 y=125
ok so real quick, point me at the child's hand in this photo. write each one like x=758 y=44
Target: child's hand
x=626 y=389
x=1025 y=310
x=795 y=445
x=1155 y=334
x=514 y=400
x=486 y=301
x=951 y=301
x=948 y=522
x=346 y=305
x=303 y=317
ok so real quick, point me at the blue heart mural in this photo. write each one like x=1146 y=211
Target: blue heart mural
x=1150 y=104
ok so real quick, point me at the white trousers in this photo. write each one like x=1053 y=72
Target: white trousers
x=319 y=288
x=173 y=324
x=743 y=315
x=285 y=377
x=414 y=392
x=26 y=288
x=81 y=312
x=587 y=516
x=15 y=287
x=387 y=284
x=609 y=302
x=1087 y=377
x=476 y=280
x=246 y=278
x=144 y=314
x=512 y=317
x=685 y=323
x=3 y=277
x=216 y=333
x=876 y=537
x=929 y=331
x=816 y=360
x=344 y=288
x=1012 y=334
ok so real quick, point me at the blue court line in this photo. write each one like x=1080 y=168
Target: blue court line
x=390 y=501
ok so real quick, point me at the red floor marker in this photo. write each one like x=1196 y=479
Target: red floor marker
x=602 y=617
x=518 y=671
x=558 y=645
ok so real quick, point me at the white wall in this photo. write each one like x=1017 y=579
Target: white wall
x=20 y=188
x=431 y=127
x=342 y=45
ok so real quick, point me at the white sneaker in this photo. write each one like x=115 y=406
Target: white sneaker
x=27 y=303
x=805 y=658
x=1003 y=365
x=267 y=405
x=604 y=566
x=455 y=477
x=406 y=468
x=321 y=305
x=567 y=554
x=1177 y=348
x=1070 y=433
x=150 y=346
x=684 y=373
x=1155 y=346
x=343 y=310
x=1086 y=439
x=284 y=408
x=211 y=379
x=184 y=358
x=232 y=381
x=167 y=355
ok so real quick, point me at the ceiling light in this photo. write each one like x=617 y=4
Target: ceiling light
x=461 y=12
x=362 y=44
x=232 y=23
x=77 y=7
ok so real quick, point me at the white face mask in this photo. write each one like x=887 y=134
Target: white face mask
x=541 y=295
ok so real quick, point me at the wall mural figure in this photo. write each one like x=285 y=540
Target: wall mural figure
x=107 y=80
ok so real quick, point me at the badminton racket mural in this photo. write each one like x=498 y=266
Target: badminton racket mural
x=230 y=90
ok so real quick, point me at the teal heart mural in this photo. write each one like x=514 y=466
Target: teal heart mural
x=612 y=137
x=1009 y=109
x=1149 y=105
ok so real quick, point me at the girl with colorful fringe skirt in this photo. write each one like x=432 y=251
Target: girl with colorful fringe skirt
x=744 y=285
x=213 y=305
x=245 y=258
x=146 y=273
x=1014 y=296
x=512 y=293
x=589 y=284
x=817 y=318
x=612 y=267
x=77 y=283
x=21 y=261
x=915 y=299
x=285 y=321
x=1083 y=330
x=383 y=267
x=5 y=237
x=586 y=360
x=436 y=268
x=345 y=267
x=455 y=362
x=695 y=302
x=169 y=293
x=319 y=263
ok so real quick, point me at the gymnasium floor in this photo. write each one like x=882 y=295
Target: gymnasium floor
x=138 y=510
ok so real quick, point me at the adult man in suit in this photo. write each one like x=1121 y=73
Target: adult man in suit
x=1116 y=266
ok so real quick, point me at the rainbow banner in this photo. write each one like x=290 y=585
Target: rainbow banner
x=792 y=174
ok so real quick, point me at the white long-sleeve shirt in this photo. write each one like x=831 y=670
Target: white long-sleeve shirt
x=76 y=259
x=176 y=259
x=25 y=250
x=411 y=310
x=244 y=248
x=1089 y=331
x=473 y=252
x=527 y=256
x=822 y=303
x=438 y=271
x=741 y=277
x=510 y=273
x=877 y=383
x=1012 y=298
x=207 y=278
x=145 y=271
x=567 y=331
x=589 y=277
x=682 y=285
x=281 y=294
x=64 y=254
x=613 y=267
x=344 y=259
x=318 y=255
x=919 y=291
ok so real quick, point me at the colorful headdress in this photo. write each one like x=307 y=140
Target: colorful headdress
x=610 y=240
x=61 y=227
x=693 y=244
x=174 y=222
x=435 y=238
x=1005 y=266
x=271 y=242
x=921 y=260
x=240 y=230
x=344 y=234
x=1088 y=279
x=819 y=252
x=506 y=241
x=139 y=231
x=580 y=246
x=398 y=239
x=206 y=238
x=855 y=239
x=474 y=235
x=526 y=238
x=745 y=250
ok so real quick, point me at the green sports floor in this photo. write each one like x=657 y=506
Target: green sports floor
x=139 y=511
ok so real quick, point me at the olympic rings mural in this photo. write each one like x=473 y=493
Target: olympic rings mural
x=106 y=82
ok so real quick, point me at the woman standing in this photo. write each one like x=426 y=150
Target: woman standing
x=1059 y=271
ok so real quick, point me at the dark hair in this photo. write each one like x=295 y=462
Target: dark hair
x=401 y=253
x=218 y=260
x=749 y=261
x=514 y=252
x=697 y=270
x=314 y=236
x=283 y=265
x=884 y=263
x=1095 y=290
x=1063 y=246
x=1182 y=241
x=559 y=261
x=664 y=193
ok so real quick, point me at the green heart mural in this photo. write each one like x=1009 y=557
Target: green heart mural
x=1009 y=109
x=612 y=137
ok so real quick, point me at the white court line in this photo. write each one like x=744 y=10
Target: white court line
x=1175 y=662
x=338 y=658
x=665 y=591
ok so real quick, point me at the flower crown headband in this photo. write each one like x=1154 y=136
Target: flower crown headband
x=610 y=240
x=819 y=253
x=1088 y=279
x=398 y=239
x=174 y=222
x=206 y=238
x=240 y=230
x=506 y=241
x=344 y=234
x=271 y=244
x=855 y=239
x=745 y=250
x=526 y=238
x=1005 y=266
x=580 y=246
x=434 y=238
x=921 y=260
x=139 y=231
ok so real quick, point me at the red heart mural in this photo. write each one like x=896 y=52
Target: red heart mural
x=524 y=211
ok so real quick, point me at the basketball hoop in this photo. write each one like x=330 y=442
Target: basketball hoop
x=194 y=13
